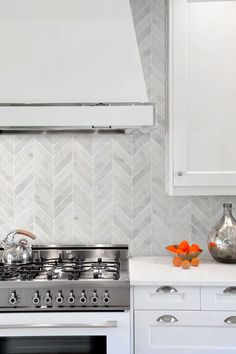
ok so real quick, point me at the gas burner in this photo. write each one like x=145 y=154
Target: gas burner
x=8 y=272
x=29 y=272
x=19 y=271
x=102 y=269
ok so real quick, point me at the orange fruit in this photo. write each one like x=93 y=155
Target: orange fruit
x=184 y=245
x=171 y=248
x=179 y=250
x=195 y=262
x=185 y=264
x=194 y=248
x=177 y=261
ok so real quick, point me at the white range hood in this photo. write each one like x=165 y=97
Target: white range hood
x=70 y=64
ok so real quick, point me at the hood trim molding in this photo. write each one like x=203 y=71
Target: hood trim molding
x=77 y=117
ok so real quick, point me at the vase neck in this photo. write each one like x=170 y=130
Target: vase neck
x=227 y=209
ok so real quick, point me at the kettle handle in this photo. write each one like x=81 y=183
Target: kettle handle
x=25 y=233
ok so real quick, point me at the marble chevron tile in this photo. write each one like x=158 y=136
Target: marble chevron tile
x=122 y=189
x=142 y=235
x=43 y=188
x=142 y=209
x=24 y=183
x=102 y=189
x=216 y=203
x=83 y=189
x=230 y=199
x=158 y=72
x=181 y=218
x=200 y=220
x=7 y=143
x=161 y=202
x=158 y=62
x=63 y=189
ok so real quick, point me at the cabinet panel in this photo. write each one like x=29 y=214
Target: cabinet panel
x=192 y=332
x=167 y=297
x=218 y=298
x=202 y=86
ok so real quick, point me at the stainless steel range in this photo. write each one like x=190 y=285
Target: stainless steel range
x=67 y=278
x=68 y=299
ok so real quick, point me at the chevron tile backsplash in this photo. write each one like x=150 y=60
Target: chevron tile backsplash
x=88 y=189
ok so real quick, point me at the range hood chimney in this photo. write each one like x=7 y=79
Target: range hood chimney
x=70 y=64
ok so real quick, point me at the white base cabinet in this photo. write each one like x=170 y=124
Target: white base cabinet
x=168 y=328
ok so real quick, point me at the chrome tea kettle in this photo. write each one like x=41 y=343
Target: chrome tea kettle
x=17 y=251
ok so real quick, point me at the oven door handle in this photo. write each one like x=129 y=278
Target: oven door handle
x=108 y=324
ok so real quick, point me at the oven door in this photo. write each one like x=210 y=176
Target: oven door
x=65 y=333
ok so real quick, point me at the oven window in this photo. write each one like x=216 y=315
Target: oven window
x=53 y=345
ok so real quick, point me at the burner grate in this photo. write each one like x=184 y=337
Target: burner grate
x=59 y=268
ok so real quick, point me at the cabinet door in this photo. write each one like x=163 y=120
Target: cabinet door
x=202 y=105
x=185 y=332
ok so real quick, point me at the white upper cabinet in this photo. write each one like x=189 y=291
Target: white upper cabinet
x=202 y=97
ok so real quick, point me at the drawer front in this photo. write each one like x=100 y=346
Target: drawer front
x=218 y=298
x=195 y=332
x=167 y=297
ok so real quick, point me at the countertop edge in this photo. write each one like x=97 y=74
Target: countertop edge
x=182 y=283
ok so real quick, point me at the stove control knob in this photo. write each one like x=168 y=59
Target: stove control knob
x=106 y=298
x=71 y=298
x=13 y=298
x=83 y=298
x=94 y=298
x=59 y=298
x=48 y=298
x=36 y=298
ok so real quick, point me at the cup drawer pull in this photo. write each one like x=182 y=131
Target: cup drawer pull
x=167 y=319
x=230 y=290
x=166 y=290
x=230 y=320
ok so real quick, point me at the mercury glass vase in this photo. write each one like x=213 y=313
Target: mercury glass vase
x=222 y=238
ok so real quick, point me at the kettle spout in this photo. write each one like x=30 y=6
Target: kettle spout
x=4 y=244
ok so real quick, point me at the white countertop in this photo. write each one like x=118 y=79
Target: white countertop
x=159 y=270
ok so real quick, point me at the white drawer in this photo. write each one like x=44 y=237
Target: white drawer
x=167 y=297
x=218 y=298
x=184 y=332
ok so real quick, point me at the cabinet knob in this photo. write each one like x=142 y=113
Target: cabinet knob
x=166 y=290
x=167 y=319
x=230 y=320
x=180 y=173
